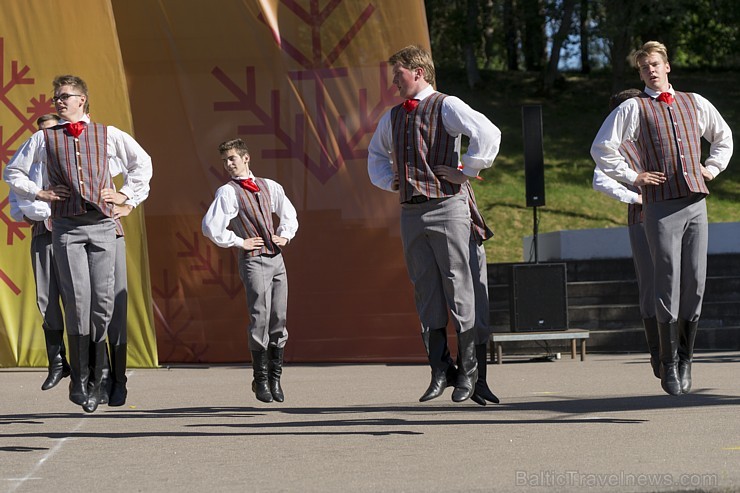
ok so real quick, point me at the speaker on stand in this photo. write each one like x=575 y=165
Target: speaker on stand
x=538 y=298
x=534 y=164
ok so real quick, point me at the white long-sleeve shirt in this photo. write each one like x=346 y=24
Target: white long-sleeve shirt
x=36 y=210
x=225 y=207
x=623 y=124
x=458 y=119
x=122 y=150
x=614 y=189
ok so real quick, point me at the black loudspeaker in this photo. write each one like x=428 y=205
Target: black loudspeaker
x=538 y=297
x=534 y=161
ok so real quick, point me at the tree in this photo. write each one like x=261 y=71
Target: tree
x=534 y=39
x=510 y=35
x=472 y=38
x=584 y=32
x=566 y=21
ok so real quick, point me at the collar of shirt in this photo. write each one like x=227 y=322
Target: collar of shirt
x=655 y=94
x=425 y=93
x=250 y=175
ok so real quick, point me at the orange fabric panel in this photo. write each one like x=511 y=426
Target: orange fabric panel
x=304 y=82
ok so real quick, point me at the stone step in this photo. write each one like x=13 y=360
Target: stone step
x=615 y=269
x=629 y=340
x=622 y=292
x=610 y=317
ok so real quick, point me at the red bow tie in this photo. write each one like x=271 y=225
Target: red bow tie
x=410 y=105
x=248 y=184
x=666 y=97
x=75 y=129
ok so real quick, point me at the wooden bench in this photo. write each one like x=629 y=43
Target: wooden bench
x=497 y=338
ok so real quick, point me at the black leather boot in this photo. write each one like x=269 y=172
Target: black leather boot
x=274 y=371
x=653 y=342
x=98 y=354
x=669 y=358
x=58 y=366
x=482 y=393
x=118 y=391
x=444 y=373
x=106 y=382
x=79 y=358
x=259 y=384
x=467 y=366
x=686 y=338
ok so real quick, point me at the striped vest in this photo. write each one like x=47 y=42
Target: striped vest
x=480 y=229
x=420 y=142
x=82 y=165
x=255 y=217
x=670 y=141
x=628 y=150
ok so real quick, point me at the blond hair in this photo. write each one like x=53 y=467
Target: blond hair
x=648 y=49
x=413 y=57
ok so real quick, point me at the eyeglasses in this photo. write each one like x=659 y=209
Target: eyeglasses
x=63 y=97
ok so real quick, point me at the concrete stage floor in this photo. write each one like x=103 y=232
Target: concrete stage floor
x=599 y=425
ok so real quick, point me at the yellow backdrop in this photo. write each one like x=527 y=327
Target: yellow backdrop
x=38 y=41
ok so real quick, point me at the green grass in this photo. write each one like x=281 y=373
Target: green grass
x=571 y=118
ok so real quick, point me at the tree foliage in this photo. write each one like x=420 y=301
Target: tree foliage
x=547 y=36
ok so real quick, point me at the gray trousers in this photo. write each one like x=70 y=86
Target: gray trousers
x=436 y=246
x=47 y=282
x=117 y=333
x=643 y=269
x=266 y=283
x=84 y=249
x=479 y=271
x=677 y=232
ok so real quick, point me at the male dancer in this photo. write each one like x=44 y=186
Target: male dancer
x=666 y=127
x=74 y=156
x=44 y=272
x=114 y=376
x=480 y=232
x=631 y=195
x=241 y=217
x=416 y=151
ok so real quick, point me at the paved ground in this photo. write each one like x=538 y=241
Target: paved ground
x=599 y=425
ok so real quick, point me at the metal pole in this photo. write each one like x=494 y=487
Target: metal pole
x=534 y=235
